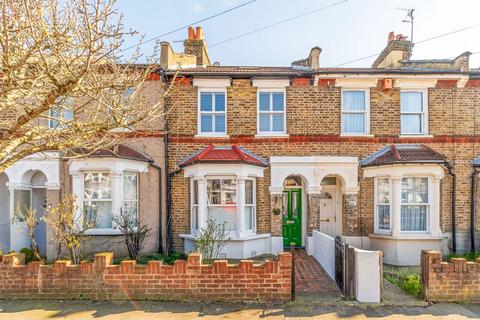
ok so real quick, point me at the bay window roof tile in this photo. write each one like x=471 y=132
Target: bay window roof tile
x=403 y=153
x=119 y=151
x=223 y=154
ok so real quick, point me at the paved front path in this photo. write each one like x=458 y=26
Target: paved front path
x=310 y=276
x=85 y=310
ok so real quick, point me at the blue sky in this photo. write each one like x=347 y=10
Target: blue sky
x=350 y=30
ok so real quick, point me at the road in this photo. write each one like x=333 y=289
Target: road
x=82 y=310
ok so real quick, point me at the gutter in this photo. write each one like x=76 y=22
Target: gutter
x=454 y=199
x=473 y=203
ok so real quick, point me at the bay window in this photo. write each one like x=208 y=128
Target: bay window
x=415 y=204
x=413 y=113
x=382 y=205
x=221 y=203
x=97 y=199
x=355 y=112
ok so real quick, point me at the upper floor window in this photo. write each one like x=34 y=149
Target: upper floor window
x=212 y=113
x=61 y=113
x=355 y=112
x=271 y=112
x=413 y=109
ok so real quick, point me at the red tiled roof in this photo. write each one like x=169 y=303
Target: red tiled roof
x=119 y=151
x=233 y=154
x=403 y=153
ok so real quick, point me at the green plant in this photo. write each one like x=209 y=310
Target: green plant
x=410 y=283
x=29 y=255
x=470 y=256
x=211 y=240
x=133 y=230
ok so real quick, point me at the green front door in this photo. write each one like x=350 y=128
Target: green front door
x=292 y=217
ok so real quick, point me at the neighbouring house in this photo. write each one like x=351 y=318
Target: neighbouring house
x=380 y=156
x=130 y=176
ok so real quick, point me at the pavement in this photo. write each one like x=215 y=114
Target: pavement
x=83 y=310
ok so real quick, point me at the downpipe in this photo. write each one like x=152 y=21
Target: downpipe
x=454 y=199
x=473 y=204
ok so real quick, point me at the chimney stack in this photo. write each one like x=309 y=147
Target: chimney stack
x=312 y=61
x=196 y=45
x=398 y=49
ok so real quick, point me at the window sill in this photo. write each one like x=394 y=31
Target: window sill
x=246 y=237
x=406 y=236
x=272 y=135
x=219 y=136
x=415 y=136
x=103 y=232
x=356 y=135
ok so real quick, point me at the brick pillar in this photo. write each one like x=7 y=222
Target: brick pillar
x=313 y=212
x=350 y=221
x=427 y=260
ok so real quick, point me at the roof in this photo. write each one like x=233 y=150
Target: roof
x=299 y=71
x=227 y=154
x=119 y=151
x=403 y=153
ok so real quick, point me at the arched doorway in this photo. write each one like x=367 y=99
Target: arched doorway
x=4 y=214
x=330 y=206
x=293 y=220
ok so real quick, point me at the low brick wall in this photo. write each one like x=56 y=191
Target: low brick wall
x=455 y=281
x=185 y=280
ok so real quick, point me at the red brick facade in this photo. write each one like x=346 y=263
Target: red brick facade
x=313 y=114
x=453 y=281
x=185 y=280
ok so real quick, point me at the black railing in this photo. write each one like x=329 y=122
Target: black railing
x=339 y=262
x=292 y=250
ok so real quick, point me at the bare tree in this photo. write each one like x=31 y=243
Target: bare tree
x=134 y=231
x=67 y=226
x=211 y=240
x=29 y=217
x=64 y=83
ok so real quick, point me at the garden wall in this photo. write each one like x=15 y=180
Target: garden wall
x=453 y=281
x=185 y=280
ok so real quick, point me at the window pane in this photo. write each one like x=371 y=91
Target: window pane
x=248 y=218
x=98 y=213
x=277 y=122
x=248 y=191
x=224 y=215
x=195 y=192
x=277 y=101
x=294 y=205
x=229 y=191
x=415 y=190
x=411 y=102
x=383 y=217
x=222 y=191
x=264 y=122
x=97 y=185
x=414 y=218
x=220 y=102
x=411 y=123
x=195 y=218
x=68 y=114
x=131 y=208
x=206 y=123
x=205 y=101
x=264 y=101
x=220 y=123
x=353 y=123
x=353 y=100
x=383 y=191
x=22 y=200
x=130 y=182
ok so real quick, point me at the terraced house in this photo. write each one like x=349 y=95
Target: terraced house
x=383 y=156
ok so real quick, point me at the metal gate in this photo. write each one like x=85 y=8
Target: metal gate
x=339 y=262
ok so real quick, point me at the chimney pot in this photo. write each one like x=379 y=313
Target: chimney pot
x=391 y=37
x=191 y=33
x=199 y=33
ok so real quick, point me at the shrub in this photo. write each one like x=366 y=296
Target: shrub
x=29 y=255
x=410 y=283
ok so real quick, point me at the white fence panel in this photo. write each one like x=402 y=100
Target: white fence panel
x=368 y=275
x=324 y=251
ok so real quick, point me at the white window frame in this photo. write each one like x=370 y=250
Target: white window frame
x=211 y=90
x=138 y=191
x=366 y=112
x=60 y=118
x=271 y=112
x=376 y=204
x=226 y=177
x=428 y=205
x=253 y=205
x=111 y=199
x=424 y=113
x=193 y=205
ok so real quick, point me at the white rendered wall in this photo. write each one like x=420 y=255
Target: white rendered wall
x=322 y=247
x=368 y=276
